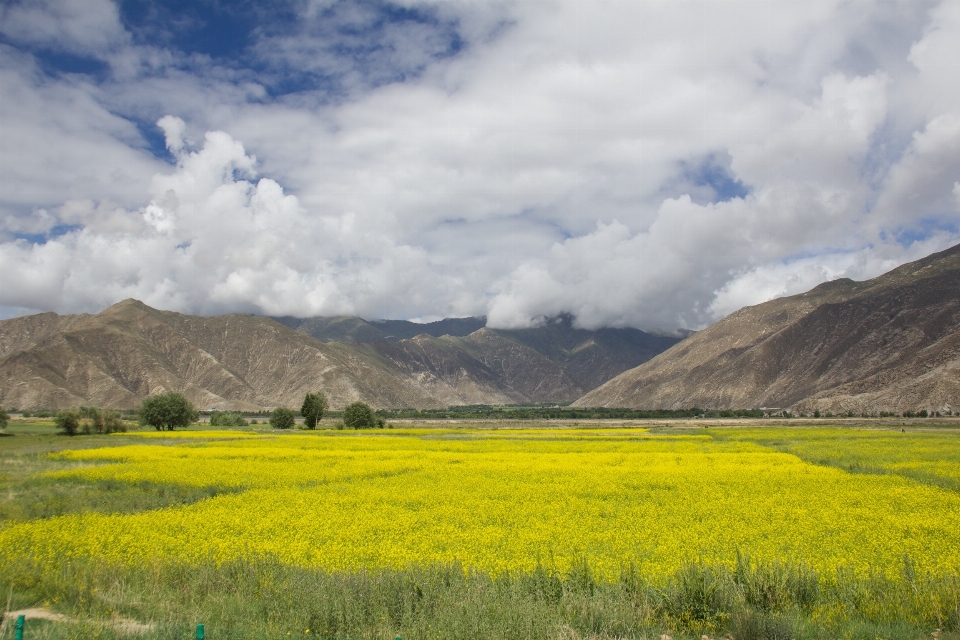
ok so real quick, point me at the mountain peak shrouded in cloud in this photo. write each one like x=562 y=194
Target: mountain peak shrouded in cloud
x=650 y=165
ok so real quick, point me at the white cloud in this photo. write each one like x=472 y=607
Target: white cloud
x=60 y=143
x=212 y=240
x=821 y=143
x=89 y=27
x=921 y=180
x=793 y=276
x=935 y=56
x=550 y=166
x=669 y=275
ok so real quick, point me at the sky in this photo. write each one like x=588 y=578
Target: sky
x=652 y=164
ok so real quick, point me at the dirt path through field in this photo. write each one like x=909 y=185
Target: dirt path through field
x=37 y=613
x=40 y=613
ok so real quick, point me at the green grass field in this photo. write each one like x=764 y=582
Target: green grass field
x=873 y=490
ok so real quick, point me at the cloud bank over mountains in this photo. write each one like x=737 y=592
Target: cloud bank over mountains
x=644 y=164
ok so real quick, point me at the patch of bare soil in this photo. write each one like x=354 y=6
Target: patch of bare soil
x=124 y=625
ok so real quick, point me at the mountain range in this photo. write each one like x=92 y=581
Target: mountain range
x=887 y=344
x=130 y=351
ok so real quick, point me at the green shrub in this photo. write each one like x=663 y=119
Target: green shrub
x=359 y=415
x=95 y=420
x=282 y=418
x=68 y=422
x=4 y=418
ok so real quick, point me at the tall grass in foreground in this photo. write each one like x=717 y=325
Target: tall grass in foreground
x=266 y=599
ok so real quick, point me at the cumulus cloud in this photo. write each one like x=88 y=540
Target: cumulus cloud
x=213 y=238
x=921 y=180
x=684 y=269
x=60 y=143
x=644 y=164
x=798 y=275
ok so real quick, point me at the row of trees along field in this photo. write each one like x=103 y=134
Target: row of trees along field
x=171 y=410
x=164 y=411
x=358 y=415
x=313 y=407
x=168 y=411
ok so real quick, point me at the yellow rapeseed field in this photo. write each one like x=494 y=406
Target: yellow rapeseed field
x=929 y=456
x=502 y=501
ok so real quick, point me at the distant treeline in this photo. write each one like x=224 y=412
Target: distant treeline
x=554 y=412
x=541 y=412
x=560 y=412
x=126 y=414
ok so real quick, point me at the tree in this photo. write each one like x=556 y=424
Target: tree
x=282 y=418
x=68 y=422
x=167 y=411
x=4 y=418
x=313 y=407
x=359 y=415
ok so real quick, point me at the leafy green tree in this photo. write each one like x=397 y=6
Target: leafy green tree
x=282 y=418
x=359 y=415
x=67 y=421
x=167 y=411
x=4 y=418
x=314 y=404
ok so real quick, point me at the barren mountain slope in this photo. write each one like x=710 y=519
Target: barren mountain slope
x=129 y=351
x=550 y=363
x=352 y=329
x=20 y=334
x=478 y=369
x=887 y=344
x=334 y=329
x=590 y=358
x=459 y=361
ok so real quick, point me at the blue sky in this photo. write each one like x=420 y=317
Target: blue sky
x=642 y=164
x=339 y=47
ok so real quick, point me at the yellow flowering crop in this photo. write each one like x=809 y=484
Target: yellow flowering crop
x=930 y=456
x=502 y=501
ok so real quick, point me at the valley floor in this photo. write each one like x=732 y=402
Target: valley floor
x=498 y=529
